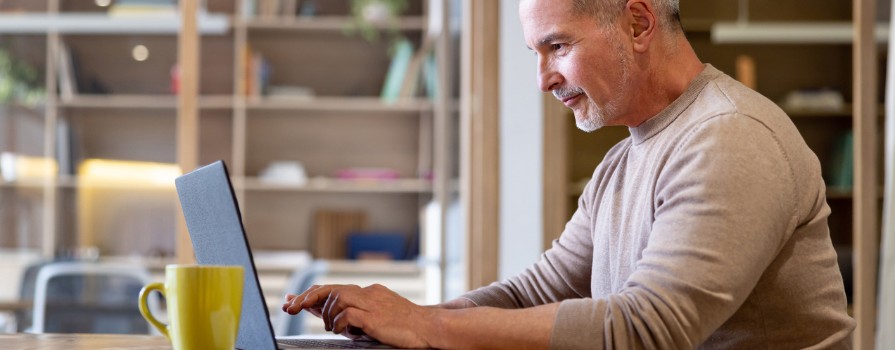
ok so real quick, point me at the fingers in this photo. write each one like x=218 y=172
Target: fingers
x=350 y=323
x=289 y=298
x=328 y=302
x=309 y=298
x=327 y=314
x=340 y=299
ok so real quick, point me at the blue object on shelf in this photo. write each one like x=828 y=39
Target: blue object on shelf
x=393 y=245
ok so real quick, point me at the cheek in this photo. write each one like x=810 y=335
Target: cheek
x=574 y=71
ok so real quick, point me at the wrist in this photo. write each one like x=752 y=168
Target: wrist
x=435 y=328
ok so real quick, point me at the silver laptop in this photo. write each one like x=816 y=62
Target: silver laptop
x=215 y=225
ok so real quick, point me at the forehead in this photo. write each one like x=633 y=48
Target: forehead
x=542 y=19
x=545 y=10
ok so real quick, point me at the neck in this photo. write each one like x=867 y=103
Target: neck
x=664 y=73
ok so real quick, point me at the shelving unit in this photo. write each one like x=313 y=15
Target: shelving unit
x=125 y=109
x=101 y=23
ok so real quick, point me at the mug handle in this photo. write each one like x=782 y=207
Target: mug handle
x=144 y=309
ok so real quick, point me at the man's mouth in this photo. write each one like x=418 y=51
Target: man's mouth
x=570 y=100
x=568 y=95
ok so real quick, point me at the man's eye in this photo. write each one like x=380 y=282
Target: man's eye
x=557 y=47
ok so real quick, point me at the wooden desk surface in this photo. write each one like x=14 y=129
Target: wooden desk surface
x=15 y=305
x=82 y=341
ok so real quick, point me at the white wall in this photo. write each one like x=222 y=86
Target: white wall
x=521 y=148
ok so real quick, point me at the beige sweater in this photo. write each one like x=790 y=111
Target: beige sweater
x=706 y=228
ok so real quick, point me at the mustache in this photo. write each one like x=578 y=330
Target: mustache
x=564 y=93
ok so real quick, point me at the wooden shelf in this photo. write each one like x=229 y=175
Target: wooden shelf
x=328 y=185
x=839 y=193
x=142 y=102
x=323 y=23
x=373 y=267
x=698 y=25
x=23 y=184
x=73 y=182
x=845 y=112
x=790 y=33
x=33 y=111
x=101 y=23
x=319 y=104
x=338 y=104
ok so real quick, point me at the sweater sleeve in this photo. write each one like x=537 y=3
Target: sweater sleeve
x=562 y=272
x=724 y=206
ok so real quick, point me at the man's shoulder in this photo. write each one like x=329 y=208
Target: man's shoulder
x=724 y=95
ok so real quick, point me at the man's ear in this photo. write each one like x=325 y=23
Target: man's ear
x=643 y=23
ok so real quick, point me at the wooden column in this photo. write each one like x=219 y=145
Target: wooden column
x=240 y=47
x=480 y=136
x=866 y=207
x=187 y=110
x=442 y=134
x=51 y=115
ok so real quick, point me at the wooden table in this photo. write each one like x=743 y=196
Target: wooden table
x=82 y=341
x=15 y=305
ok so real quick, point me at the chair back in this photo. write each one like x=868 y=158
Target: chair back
x=301 y=280
x=88 y=297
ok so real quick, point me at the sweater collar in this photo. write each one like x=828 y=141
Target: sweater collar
x=659 y=122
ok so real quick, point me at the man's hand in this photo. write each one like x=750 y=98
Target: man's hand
x=375 y=310
x=458 y=324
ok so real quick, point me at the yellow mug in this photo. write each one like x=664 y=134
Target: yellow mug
x=203 y=303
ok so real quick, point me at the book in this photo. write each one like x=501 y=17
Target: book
x=65 y=147
x=840 y=173
x=331 y=230
x=257 y=73
x=397 y=70
x=249 y=8
x=290 y=8
x=430 y=76
x=260 y=74
x=410 y=84
x=68 y=86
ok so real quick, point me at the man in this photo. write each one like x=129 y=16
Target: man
x=706 y=228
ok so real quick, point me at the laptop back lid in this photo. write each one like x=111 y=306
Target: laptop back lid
x=215 y=225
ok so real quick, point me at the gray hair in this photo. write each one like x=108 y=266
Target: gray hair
x=607 y=11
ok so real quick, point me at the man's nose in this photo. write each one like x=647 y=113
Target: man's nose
x=548 y=78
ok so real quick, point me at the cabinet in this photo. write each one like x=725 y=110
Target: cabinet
x=330 y=118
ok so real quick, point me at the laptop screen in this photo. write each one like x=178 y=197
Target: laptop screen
x=215 y=225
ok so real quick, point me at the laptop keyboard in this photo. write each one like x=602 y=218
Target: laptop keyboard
x=329 y=344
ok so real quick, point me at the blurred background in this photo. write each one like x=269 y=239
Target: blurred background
x=401 y=142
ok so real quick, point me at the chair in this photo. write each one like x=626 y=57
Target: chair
x=300 y=280
x=26 y=295
x=85 y=297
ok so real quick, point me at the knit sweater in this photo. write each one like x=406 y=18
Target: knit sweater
x=707 y=227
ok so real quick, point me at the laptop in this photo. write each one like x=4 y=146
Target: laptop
x=215 y=226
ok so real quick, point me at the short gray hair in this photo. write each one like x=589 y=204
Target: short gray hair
x=607 y=11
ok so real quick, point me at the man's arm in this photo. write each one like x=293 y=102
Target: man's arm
x=393 y=320
x=563 y=271
x=459 y=303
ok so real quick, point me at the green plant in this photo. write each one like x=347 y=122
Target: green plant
x=370 y=17
x=19 y=82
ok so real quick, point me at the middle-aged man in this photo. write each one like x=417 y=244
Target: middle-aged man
x=707 y=227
